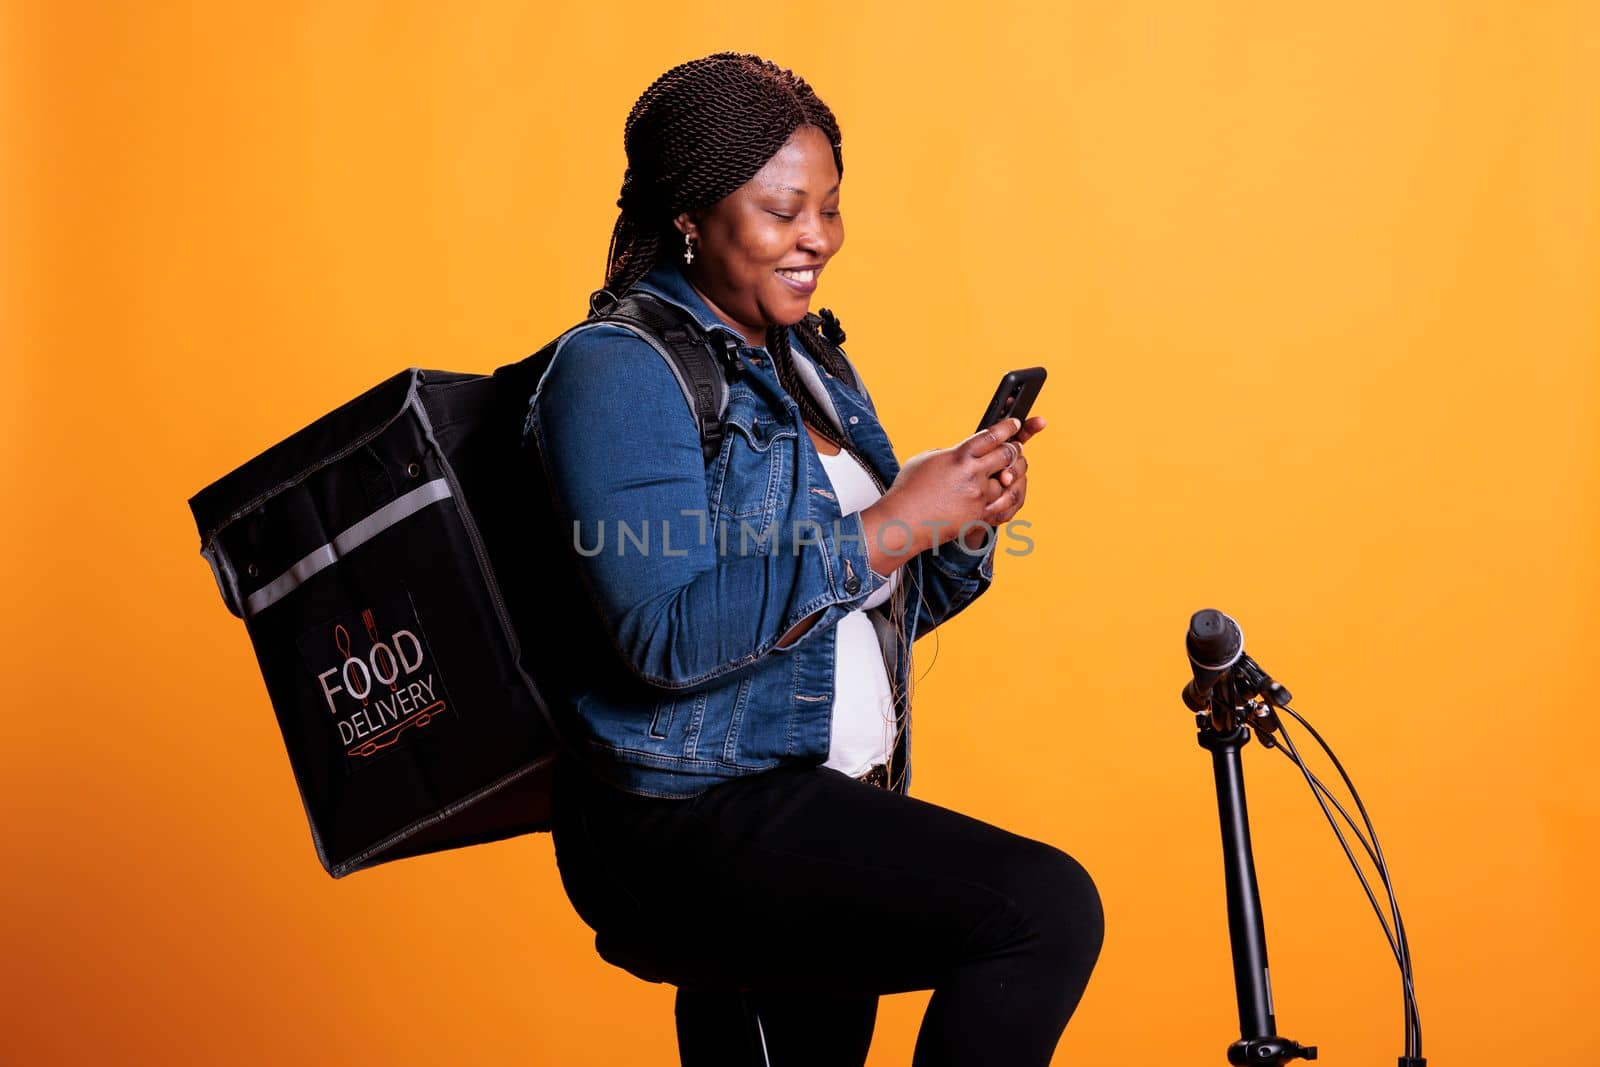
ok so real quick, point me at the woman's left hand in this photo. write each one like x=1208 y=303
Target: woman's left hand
x=1013 y=482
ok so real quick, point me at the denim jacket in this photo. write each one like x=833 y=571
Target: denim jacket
x=696 y=569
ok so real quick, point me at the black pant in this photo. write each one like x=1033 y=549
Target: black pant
x=817 y=893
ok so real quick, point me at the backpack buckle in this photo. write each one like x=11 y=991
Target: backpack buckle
x=725 y=350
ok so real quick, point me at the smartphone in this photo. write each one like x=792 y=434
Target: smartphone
x=1014 y=396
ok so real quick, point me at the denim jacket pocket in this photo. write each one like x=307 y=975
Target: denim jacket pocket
x=673 y=735
x=757 y=452
x=661 y=721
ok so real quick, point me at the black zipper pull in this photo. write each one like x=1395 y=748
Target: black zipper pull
x=830 y=326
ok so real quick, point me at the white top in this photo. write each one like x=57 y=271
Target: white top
x=863 y=700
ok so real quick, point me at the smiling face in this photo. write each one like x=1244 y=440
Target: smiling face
x=758 y=250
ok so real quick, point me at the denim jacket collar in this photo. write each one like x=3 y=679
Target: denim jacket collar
x=842 y=405
x=668 y=281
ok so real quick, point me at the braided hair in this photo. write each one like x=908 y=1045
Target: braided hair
x=698 y=133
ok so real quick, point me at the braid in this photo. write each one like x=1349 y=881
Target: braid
x=826 y=356
x=631 y=255
x=699 y=132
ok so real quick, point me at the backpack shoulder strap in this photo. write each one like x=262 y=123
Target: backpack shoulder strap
x=702 y=362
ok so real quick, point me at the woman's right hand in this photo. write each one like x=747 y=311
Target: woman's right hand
x=936 y=493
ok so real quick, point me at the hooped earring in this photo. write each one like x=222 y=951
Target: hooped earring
x=688 y=252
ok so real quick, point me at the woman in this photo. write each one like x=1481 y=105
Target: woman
x=733 y=810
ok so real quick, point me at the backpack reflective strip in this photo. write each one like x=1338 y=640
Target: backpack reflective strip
x=345 y=541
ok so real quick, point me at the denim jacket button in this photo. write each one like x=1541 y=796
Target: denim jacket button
x=852 y=585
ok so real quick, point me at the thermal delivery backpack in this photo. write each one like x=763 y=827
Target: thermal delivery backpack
x=403 y=583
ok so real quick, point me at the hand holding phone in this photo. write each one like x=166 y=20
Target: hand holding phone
x=922 y=492
x=1013 y=398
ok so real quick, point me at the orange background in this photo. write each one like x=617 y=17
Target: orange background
x=1317 y=291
